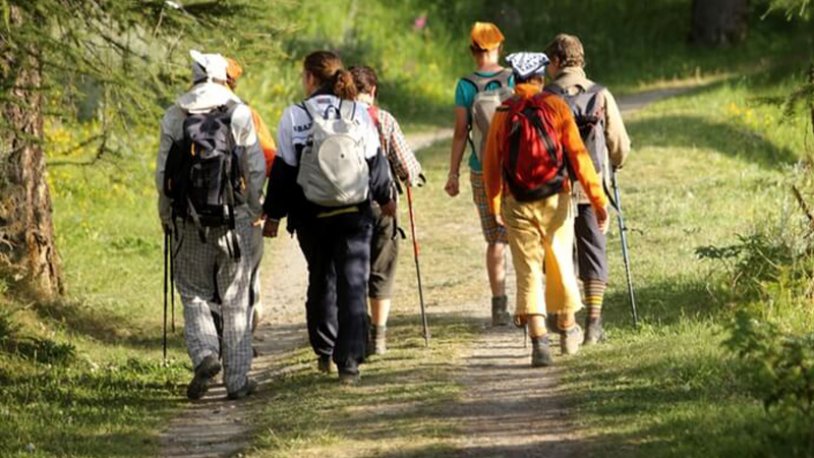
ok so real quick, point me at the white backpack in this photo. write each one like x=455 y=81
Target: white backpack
x=333 y=170
x=485 y=104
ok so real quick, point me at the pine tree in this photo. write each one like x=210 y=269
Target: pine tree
x=47 y=48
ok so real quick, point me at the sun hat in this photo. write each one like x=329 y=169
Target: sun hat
x=208 y=66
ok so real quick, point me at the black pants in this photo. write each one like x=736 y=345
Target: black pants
x=592 y=260
x=337 y=250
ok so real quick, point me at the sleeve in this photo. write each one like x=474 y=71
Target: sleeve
x=616 y=135
x=283 y=178
x=492 y=177
x=266 y=140
x=464 y=94
x=399 y=152
x=165 y=142
x=578 y=155
x=246 y=136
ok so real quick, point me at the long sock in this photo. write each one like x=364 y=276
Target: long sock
x=566 y=321
x=594 y=295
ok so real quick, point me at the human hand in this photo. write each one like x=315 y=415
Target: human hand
x=389 y=209
x=499 y=220
x=602 y=218
x=270 y=228
x=452 y=187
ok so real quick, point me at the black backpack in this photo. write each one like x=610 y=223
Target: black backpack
x=588 y=106
x=206 y=173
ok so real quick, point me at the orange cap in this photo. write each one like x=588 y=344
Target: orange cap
x=233 y=69
x=486 y=35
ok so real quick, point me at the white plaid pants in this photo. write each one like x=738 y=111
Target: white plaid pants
x=208 y=278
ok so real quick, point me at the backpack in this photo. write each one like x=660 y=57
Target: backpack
x=206 y=172
x=588 y=107
x=333 y=169
x=534 y=163
x=485 y=104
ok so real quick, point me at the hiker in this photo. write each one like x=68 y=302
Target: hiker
x=485 y=46
x=209 y=175
x=532 y=144
x=384 y=245
x=606 y=139
x=328 y=169
x=234 y=71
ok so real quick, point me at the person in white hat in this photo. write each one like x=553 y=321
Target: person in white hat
x=211 y=247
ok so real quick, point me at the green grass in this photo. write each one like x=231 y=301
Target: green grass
x=707 y=166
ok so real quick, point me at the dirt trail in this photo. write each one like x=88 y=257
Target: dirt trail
x=508 y=408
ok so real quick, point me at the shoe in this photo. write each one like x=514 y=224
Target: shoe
x=377 y=341
x=570 y=340
x=594 y=333
x=349 y=375
x=199 y=385
x=540 y=352
x=248 y=388
x=325 y=365
x=500 y=314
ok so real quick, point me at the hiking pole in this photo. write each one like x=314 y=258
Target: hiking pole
x=166 y=272
x=417 y=267
x=172 y=283
x=625 y=254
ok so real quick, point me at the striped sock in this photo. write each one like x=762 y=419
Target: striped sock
x=594 y=295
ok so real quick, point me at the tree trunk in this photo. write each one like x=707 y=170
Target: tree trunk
x=27 y=248
x=719 y=22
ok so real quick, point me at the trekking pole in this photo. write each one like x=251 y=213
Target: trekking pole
x=166 y=272
x=172 y=284
x=625 y=254
x=417 y=267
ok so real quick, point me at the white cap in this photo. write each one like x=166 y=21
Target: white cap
x=208 y=66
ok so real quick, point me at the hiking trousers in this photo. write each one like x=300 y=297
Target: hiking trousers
x=592 y=260
x=337 y=250
x=208 y=278
x=541 y=233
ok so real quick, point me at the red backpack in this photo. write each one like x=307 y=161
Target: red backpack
x=534 y=163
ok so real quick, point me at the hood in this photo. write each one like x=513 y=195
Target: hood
x=205 y=97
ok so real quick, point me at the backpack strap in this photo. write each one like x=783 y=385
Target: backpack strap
x=482 y=82
x=304 y=106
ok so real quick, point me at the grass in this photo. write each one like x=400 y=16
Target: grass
x=707 y=166
x=82 y=377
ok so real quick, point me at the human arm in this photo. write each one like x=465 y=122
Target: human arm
x=459 y=139
x=616 y=136
x=492 y=176
x=169 y=130
x=401 y=156
x=282 y=181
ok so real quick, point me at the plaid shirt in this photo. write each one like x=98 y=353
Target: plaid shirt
x=395 y=147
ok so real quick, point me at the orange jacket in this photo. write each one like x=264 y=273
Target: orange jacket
x=565 y=125
x=266 y=140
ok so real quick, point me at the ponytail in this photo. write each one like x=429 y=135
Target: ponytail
x=344 y=86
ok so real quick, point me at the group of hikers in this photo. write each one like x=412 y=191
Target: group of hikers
x=335 y=174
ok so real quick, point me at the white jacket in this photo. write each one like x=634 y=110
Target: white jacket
x=202 y=98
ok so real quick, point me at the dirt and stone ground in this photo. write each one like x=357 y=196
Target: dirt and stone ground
x=508 y=409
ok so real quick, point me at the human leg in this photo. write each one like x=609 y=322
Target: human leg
x=383 y=256
x=496 y=240
x=351 y=257
x=320 y=304
x=593 y=269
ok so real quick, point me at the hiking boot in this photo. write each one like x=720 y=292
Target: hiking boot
x=325 y=365
x=248 y=388
x=540 y=352
x=377 y=341
x=570 y=340
x=349 y=375
x=500 y=314
x=199 y=385
x=594 y=333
